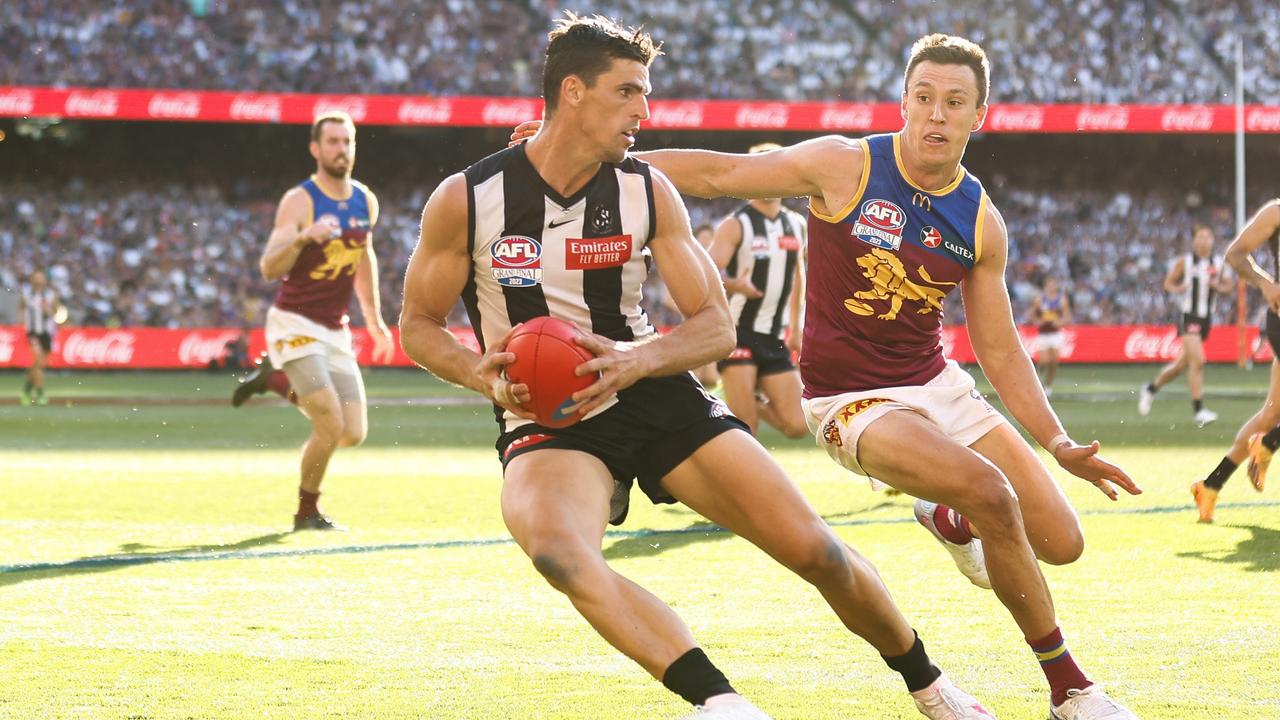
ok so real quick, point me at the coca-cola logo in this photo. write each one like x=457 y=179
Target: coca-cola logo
x=114 y=347
x=773 y=115
x=1017 y=118
x=846 y=117
x=1108 y=119
x=17 y=102
x=1263 y=119
x=184 y=106
x=677 y=115
x=257 y=108
x=508 y=112
x=1146 y=345
x=352 y=105
x=425 y=112
x=1192 y=119
x=8 y=344
x=196 y=349
x=101 y=103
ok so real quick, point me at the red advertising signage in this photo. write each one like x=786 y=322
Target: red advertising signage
x=160 y=348
x=256 y=107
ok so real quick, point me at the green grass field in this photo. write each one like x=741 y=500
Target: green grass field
x=146 y=572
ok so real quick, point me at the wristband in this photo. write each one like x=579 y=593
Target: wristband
x=1057 y=440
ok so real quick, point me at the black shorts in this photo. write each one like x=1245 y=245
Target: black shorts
x=768 y=353
x=1273 y=334
x=655 y=425
x=1195 y=324
x=45 y=340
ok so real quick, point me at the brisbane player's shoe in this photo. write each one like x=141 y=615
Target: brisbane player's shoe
x=1204 y=416
x=968 y=557
x=1259 y=459
x=944 y=701
x=1090 y=704
x=731 y=709
x=1206 y=499
x=315 y=521
x=255 y=383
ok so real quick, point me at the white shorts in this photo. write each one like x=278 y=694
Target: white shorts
x=1048 y=341
x=291 y=336
x=949 y=401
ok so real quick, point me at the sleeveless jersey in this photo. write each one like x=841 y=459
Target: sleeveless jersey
x=38 y=309
x=535 y=252
x=1050 y=313
x=322 y=279
x=1200 y=275
x=878 y=272
x=771 y=247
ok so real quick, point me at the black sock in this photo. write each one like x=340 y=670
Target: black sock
x=694 y=678
x=1197 y=404
x=915 y=667
x=1151 y=387
x=27 y=388
x=1219 y=476
x=1272 y=439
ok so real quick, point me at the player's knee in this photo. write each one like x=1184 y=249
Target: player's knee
x=327 y=426
x=820 y=558
x=1065 y=549
x=568 y=571
x=795 y=430
x=992 y=503
x=352 y=435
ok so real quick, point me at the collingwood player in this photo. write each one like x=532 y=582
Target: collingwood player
x=41 y=311
x=513 y=236
x=760 y=251
x=1197 y=277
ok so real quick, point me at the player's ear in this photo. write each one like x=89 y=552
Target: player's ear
x=902 y=106
x=572 y=90
x=314 y=147
x=982 y=118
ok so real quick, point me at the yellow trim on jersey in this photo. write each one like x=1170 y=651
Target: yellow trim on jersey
x=336 y=199
x=978 y=227
x=857 y=196
x=902 y=170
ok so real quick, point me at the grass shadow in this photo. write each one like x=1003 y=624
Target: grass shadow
x=648 y=543
x=1260 y=552
x=130 y=554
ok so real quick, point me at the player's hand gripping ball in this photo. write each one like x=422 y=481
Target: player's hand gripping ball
x=546 y=357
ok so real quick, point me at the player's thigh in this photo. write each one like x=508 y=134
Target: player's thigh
x=1193 y=348
x=738 y=380
x=783 y=390
x=312 y=382
x=1053 y=528
x=909 y=452
x=37 y=350
x=732 y=481
x=556 y=502
x=348 y=384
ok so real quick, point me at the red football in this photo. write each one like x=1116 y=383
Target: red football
x=546 y=357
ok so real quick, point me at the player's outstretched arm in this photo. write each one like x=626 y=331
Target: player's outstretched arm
x=290 y=234
x=435 y=277
x=1010 y=371
x=1252 y=237
x=705 y=335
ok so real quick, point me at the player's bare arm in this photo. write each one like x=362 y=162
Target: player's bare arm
x=705 y=335
x=795 y=305
x=366 y=287
x=1010 y=371
x=1066 y=308
x=1173 y=281
x=1240 y=252
x=434 y=279
x=724 y=243
x=291 y=234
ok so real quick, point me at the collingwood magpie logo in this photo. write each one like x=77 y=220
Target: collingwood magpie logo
x=601 y=219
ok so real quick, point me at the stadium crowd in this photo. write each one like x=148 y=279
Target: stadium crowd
x=167 y=256
x=1043 y=50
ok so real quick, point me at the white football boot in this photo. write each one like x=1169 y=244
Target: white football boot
x=735 y=708
x=1204 y=416
x=1090 y=704
x=1145 y=398
x=968 y=557
x=944 y=701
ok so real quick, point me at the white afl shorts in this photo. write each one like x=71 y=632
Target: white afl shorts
x=1048 y=341
x=291 y=336
x=949 y=401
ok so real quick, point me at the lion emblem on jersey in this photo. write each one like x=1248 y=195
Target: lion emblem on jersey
x=338 y=259
x=890 y=282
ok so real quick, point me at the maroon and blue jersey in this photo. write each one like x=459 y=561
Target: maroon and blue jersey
x=322 y=279
x=879 y=270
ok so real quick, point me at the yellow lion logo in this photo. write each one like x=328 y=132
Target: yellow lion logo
x=890 y=282
x=338 y=259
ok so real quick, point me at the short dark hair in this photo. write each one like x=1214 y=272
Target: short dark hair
x=586 y=47
x=952 y=50
x=328 y=116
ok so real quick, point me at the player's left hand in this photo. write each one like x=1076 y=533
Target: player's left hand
x=1084 y=462
x=619 y=365
x=793 y=339
x=384 y=347
x=524 y=131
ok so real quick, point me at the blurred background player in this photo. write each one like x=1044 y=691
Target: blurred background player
x=1198 y=276
x=41 y=312
x=1050 y=310
x=1259 y=437
x=321 y=249
x=759 y=249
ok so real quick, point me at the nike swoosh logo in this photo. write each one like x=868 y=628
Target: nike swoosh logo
x=553 y=224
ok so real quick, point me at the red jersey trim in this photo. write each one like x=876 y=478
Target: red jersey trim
x=857 y=197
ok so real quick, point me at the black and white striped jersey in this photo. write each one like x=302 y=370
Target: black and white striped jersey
x=1200 y=275
x=771 y=247
x=535 y=252
x=38 y=309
